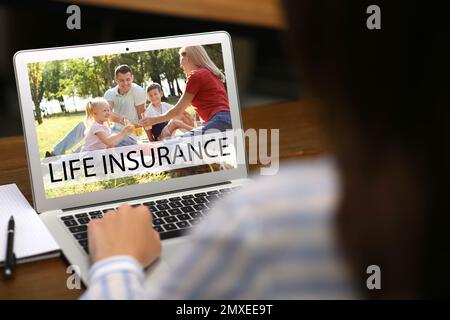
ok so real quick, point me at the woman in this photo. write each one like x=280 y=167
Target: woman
x=205 y=91
x=380 y=199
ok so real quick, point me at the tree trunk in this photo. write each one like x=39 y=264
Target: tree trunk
x=180 y=93
x=37 y=108
x=62 y=104
x=37 y=105
x=171 y=87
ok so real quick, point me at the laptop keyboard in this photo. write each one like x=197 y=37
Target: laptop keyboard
x=172 y=217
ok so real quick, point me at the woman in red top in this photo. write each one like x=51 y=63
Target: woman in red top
x=205 y=91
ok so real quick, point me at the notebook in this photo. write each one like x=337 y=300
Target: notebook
x=32 y=240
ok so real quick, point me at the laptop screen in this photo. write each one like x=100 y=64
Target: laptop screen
x=118 y=120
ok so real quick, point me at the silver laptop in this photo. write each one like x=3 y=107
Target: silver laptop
x=73 y=186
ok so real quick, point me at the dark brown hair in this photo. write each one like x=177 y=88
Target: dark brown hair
x=123 y=69
x=154 y=86
x=384 y=102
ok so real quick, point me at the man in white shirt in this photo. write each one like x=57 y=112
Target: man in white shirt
x=127 y=101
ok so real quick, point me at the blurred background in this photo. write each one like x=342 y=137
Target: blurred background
x=255 y=26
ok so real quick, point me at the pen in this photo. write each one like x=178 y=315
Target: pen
x=9 y=261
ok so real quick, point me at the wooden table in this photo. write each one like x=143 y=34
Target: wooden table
x=261 y=13
x=300 y=135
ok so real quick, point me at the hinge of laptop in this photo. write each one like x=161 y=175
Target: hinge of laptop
x=147 y=196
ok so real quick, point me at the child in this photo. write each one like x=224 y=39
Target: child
x=156 y=108
x=98 y=135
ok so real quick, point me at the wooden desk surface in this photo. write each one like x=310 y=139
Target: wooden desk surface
x=263 y=13
x=300 y=135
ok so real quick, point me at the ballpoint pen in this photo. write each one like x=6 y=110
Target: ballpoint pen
x=9 y=261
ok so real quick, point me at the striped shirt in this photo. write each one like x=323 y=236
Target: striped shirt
x=273 y=240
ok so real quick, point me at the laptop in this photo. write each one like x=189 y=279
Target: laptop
x=75 y=186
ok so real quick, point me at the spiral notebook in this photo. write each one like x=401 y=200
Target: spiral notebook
x=32 y=240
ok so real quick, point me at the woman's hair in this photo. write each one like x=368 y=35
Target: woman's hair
x=200 y=58
x=91 y=104
x=383 y=97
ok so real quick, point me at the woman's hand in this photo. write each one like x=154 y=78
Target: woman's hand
x=128 y=232
x=148 y=122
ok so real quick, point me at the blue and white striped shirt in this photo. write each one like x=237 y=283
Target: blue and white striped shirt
x=273 y=240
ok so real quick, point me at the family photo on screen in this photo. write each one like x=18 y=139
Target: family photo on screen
x=113 y=101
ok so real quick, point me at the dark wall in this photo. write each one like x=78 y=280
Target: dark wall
x=261 y=66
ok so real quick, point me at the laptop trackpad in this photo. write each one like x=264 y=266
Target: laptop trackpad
x=164 y=265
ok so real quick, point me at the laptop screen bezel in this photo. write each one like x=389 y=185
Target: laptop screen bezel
x=23 y=58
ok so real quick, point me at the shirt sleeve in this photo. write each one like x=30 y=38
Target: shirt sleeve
x=118 y=277
x=139 y=96
x=193 y=83
x=108 y=95
x=243 y=247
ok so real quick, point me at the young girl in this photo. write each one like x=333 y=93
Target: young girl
x=163 y=130
x=98 y=135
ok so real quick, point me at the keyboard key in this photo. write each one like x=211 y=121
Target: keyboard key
x=162 y=206
x=187 y=209
x=159 y=228
x=184 y=216
x=158 y=221
x=212 y=197
x=70 y=223
x=183 y=224
x=78 y=229
x=80 y=236
x=200 y=200
x=170 y=226
x=171 y=219
x=153 y=208
x=188 y=202
x=200 y=194
x=83 y=243
x=174 y=211
x=198 y=207
x=176 y=204
x=225 y=190
x=194 y=221
x=97 y=216
x=162 y=201
x=188 y=196
x=65 y=218
x=172 y=233
x=196 y=215
x=81 y=215
x=135 y=205
x=108 y=209
x=84 y=220
x=212 y=192
x=174 y=199
x=161 y=214
x=149 y=203
x=93 y=213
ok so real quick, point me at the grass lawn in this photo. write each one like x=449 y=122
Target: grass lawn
x=55 y=128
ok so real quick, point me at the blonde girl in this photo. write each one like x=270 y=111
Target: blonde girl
x=97 y=134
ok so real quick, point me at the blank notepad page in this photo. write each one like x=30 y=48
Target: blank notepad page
x=31 y=236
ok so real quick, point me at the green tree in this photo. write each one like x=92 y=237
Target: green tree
x=215 y=53
x=172 y=69
x=37 y=91
x=51 y=76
